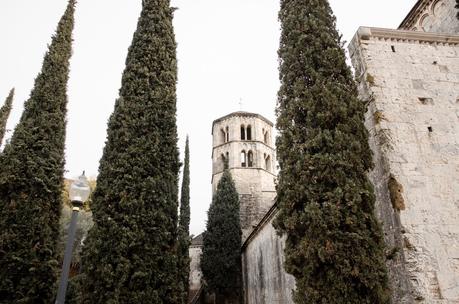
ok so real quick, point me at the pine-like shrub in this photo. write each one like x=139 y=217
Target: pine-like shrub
x=221 y=256
x=31 y=180
x=184 y=228
x=334 y=246
x=130 y=255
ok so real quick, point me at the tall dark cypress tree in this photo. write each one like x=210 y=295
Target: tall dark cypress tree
x=221 y=256
x=334 y=248
x=31 y=180
x=5 y=113
x=184 y=227
x=130 y=255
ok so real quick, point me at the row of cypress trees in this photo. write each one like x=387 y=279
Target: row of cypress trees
x=132 y=254
x=334 y=243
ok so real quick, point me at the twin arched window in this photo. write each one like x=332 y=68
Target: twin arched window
x=246 y=132
x=247 y=159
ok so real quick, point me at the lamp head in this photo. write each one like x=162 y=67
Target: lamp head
x=79 y=191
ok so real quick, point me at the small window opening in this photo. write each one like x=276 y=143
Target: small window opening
x=243 y=159
x=393 y=48
x=425 y=100
x=250 y=159
x=226 y=164
x=430 y=129
x=242 y=132
x=268 y=163
x=266 y=137
x=223 y=161
x=249 y=133
x=222 y=136
x=227 y=134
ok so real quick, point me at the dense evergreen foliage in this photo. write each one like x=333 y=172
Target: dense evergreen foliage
x=221 y=257
x=130 y=255
x=334 y=245
x=184 y=227
x=31 y=180
x=5 y=113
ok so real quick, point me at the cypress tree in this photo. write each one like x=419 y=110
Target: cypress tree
x=130 y=255
x=5 y=113
x=31 y=180
x=221 y=256
x=184 y=227
x=334 y=246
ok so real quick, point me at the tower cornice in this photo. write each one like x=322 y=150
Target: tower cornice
x=241 y=114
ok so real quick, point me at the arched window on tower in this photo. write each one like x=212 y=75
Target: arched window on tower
x=222 y=162
x=249 y=132
x=268 y=163
x=250 y=159
x=243 y=159
x=226 y=164
x=242 y=132
x=266 y=137
x=222 y=136
x=227 y=134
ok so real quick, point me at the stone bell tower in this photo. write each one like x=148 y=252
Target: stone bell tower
x=245 y=140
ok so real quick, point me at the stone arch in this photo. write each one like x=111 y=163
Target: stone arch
x=242 y=132
x=249 y=132
x=439 y=7
x=227 y=134
x=426 y=22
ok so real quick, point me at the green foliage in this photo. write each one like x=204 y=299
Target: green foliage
x=184 y=228
x=334 y=247
x=31 y=180
x=5 y=113
x=130 y=255
x=221 y=257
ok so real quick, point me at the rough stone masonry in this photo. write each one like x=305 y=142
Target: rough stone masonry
x=410 y=81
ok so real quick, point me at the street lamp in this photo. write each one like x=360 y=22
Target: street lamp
x=78 y=193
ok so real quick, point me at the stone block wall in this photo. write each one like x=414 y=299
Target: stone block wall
x=265 y=280
x=410 y=81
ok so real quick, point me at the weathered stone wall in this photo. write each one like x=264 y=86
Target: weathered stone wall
x=433 y=16
x=265 y=280
x=410 y=81
x=195 y=252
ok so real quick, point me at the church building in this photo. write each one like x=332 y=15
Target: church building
x=409 y=79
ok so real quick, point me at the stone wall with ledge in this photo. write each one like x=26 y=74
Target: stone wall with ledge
x=410 y=81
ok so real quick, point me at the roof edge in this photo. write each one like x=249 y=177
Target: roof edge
x=417 y=9
x=244 y=114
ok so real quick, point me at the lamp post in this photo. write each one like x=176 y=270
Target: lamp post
x=78 y=193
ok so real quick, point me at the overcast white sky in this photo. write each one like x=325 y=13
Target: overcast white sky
x=226 y=51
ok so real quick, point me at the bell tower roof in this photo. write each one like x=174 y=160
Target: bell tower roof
x=242 y=114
